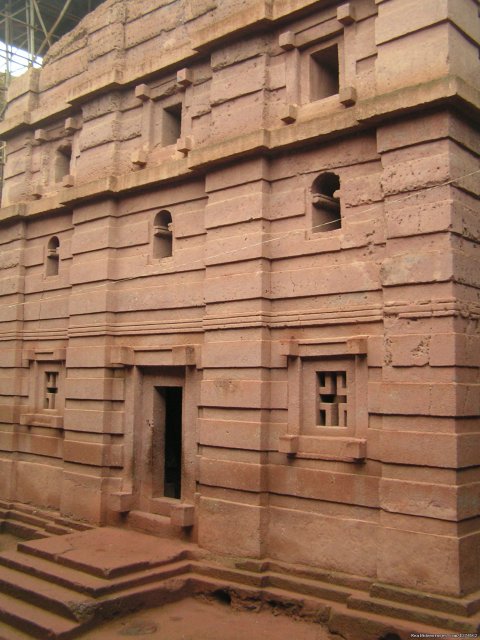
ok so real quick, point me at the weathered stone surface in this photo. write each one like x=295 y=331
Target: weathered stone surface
x=252 y=228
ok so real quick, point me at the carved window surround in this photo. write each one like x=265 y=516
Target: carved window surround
x=167 y=356
x=45 y=366
x=303 y=49
x=310 y=363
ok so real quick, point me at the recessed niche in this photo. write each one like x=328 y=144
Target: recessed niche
x=326 y=214
x=162 y=235
x=324 y=73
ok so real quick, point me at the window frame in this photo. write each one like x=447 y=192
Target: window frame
x=305 y=438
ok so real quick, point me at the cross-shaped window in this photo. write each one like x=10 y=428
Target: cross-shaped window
x=332 y=398
x=51 y=389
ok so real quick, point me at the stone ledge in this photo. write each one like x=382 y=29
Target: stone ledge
x=343 y=449
x=372 y=111
x=246 y=20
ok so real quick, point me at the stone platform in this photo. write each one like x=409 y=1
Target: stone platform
x=61 y=586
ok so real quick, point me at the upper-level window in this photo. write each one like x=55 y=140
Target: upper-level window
x=326 y=214
x=162 y=235
x=63 y=160
x=171 y=124
x=53 y=256
x=324 y=73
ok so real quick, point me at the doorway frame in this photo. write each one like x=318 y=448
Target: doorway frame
x=153 y=366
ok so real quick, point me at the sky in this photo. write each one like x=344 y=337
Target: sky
x=18 y=60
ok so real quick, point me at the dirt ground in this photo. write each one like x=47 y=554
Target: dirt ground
x=193 y=619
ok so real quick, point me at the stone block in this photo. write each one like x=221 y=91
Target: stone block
x=218 y=527
x=241 y=476
x=72 y=124
x=185 y=145
x=286 y=40
x=244 y=78
x=288 y=444
x=289 y=114
x=82 y=496
x=184 y=77
x=347 y=96
x=396 y=20
x=420 y=561
x=41 y=135
x=232 y=433
x=139 y=157
x=121 y=501
x=321 y=539
x=38 y=483
x=182 y=515
x=68 y=181
x=346 y=13
x=142 y=92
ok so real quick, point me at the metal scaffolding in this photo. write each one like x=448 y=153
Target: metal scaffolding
x=29 y=27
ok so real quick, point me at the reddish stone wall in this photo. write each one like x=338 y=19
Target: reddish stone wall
x=323 y=246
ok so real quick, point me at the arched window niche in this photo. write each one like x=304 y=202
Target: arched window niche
x=53 y=256
x=162 y=235
x=326 y=214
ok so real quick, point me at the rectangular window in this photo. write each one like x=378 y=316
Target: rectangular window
x=171 y=124
x=324 y=73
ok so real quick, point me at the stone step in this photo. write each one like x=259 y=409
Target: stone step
x=31 y=619
x=413 y=613
x=36 y=516
x=27 y=517
x=7 y=632
x=73 y=524
x=154 y=524
x=86 y=583
x=45 y=594
x=336 y=578
x=315 y=588
x=304 y=586
x=220 y=572
x=465 y=606
x=57 y=530
x=23 y=530
x=59 y=574
x=85 y=567
x=280 y=599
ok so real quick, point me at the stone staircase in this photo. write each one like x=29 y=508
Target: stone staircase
x=61 y=586
x=31 y=523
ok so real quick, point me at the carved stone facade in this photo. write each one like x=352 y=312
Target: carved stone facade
x=240 y=283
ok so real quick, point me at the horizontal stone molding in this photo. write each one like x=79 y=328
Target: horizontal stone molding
x=168 y=356
x=44 y=355
x=259 y=142
x=43 y=419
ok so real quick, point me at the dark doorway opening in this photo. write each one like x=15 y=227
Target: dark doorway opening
x=171 y=434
